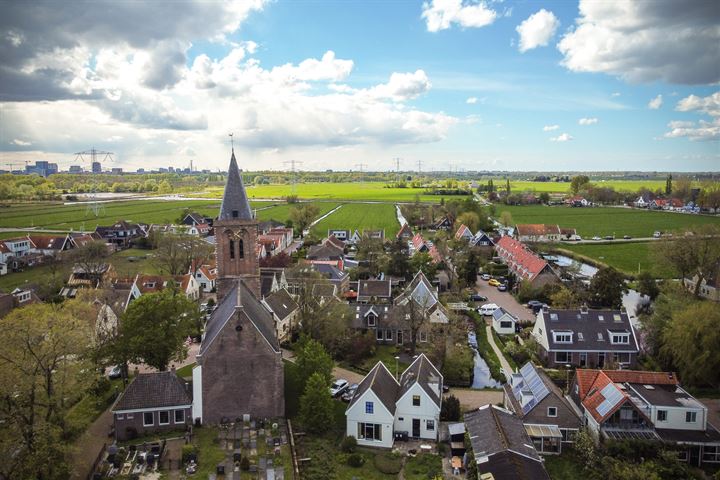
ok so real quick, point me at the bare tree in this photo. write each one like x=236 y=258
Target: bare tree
x=175 y=253
x=91 y=257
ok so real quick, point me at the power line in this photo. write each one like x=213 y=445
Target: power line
x=293 y=178
x=360 y=167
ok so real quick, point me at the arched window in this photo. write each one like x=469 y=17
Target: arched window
x=241 y=250
x=232 y=248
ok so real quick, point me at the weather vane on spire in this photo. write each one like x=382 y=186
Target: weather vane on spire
x=232 y=143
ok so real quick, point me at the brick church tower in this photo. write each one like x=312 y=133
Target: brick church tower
x=236 y=232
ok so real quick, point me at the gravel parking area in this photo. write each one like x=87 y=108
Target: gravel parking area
x=505 y=300
x=474 y=399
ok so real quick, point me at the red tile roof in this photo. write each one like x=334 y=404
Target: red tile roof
x=462 y=231
x=521 y=260
x=418 y=241
x=645 y=378
x=404 y=230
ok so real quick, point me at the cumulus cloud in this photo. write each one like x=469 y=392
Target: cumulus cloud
x=471 y=100
x=403 y=86
x=702 y=130
x=21 y=143
x=550 y=128
x=442 y=14
x=615 y=94
x=588 y=121
x=655 y=103
x=563 y=137
x=537 y=30
x=646 y=41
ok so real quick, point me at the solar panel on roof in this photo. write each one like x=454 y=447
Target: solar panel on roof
x=612 y=396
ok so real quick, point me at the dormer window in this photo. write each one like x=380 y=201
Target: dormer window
x=371 y=320
x=562 y=337
x=601 y=318
x=619 y=338
x=553 y=316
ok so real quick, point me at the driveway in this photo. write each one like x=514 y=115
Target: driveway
x=505 y=300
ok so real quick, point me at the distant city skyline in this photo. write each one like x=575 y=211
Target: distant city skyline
x=504 y=86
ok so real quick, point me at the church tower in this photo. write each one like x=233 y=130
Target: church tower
x=236 y=232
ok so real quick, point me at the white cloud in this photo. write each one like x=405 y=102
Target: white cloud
x=701 y=130
x=537 y=30
x=563 y=137
x=327 y=68
x=709 y=104
x=402 y=86
x=588 y=121
x=471 y=100
x=441 y=14
x=646 y=41
x=21 y=143
x=655 y=103
x=550 y=128
x=615 y=94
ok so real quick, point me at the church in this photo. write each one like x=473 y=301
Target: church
x=239 y=367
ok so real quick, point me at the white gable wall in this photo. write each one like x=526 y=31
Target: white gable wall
x=356 y=414
x=504 y=331
x=405 y=412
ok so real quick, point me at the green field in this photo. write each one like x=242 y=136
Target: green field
x=624 y=256
x=564 y=187
x=282 y=212
x=361 y=216
x=604 y=221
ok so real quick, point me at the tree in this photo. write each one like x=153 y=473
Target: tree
x=450 y=411
x=303 y=215
x=692 y=340
x=647 y=285
x=423 y=261
x=413 y=316
x=668 y=185
x=398 y=262
x=578 y=182
x=470 y=220
x=544 y=197
x=565 y=299
x=91 y=257
x=467 y=266
x=313 y=359
x=154 y=327
x=176 y=252
x=506 y=218
x=43 y=363
x=507 y=186
x=316 y=404
x=607 y=288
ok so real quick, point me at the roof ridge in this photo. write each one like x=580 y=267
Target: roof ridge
x=500 y=430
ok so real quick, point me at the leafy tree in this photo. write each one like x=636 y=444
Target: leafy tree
x=668 y=185
x=506 y=218
x=467 y=266
x=565 y=299
x=313 y=359
x=544 y=197
x=691 y=339
x=176 y=252
x=154 y=327
x=450 y=411
x=303 y=215
x=607 y=288
x=91 y=257
x=507 y=185
x=647 y=285
x=578 y=182
x=398 y=262
x=423 y=261
x=413 y=316
x=316 y=404
x=470 y=220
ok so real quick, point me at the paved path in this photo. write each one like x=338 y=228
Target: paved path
x=88 y=446
x=193 y=350
x=505 y=300
x=503 y=362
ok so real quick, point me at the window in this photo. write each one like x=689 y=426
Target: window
x=232 y=248
x=562 y=357
x=371 y=320
x=562 y=337
x=423 y=336
x=711 y=454
x=370 y=431
x=234 y=214
x=179 y=416
x=690 y=417
x=662 y=416
x=620 y=338
x=621 y=357
x=552 y=412
x=430 y=424
x=416 y=400
x=369 y=407
x=583 y=359
x=241 y=249
x=378 y=334
x=163 y=418
x=388 y=334
x=119 y=416
x=148 y=419
x=505 y=324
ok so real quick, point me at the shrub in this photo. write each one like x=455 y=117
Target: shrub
x=388 y=463
x=245 y=463
x=348 y=444
x=450 y=411
x=355 y=460
x=188 y=452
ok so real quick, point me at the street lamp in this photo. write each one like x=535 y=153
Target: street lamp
x=397 y=359
x=567 y=378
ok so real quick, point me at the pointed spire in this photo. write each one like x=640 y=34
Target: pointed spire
x=235 y=203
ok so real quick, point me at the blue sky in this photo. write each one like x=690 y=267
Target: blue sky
x=450 y=83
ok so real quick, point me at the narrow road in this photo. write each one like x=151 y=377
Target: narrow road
x=503 y=362
x=88 y=446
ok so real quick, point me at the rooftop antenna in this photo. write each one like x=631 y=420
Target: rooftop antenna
x=94 y=205
x=293 y=178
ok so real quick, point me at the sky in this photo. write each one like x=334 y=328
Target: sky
x=609 y=85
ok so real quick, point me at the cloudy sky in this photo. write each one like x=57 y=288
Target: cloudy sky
x=499 y=85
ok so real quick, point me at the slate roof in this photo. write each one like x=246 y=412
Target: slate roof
x=500 y=436
x=234 y=197
x=324 y=290
x=252 y=310
x=48 y=242
x=595 y=327
x=420 y=290
x=382 y=384
x=481 y=236
x=325 y=251
x=331 y=272
x=463 y=232
x=422 y=372
x=374 y=288
x=281 y=303
x=153 y=390
x=383 y=312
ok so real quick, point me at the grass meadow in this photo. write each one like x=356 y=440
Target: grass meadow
x=361 y=216
x=629 y=257
x=602 y=221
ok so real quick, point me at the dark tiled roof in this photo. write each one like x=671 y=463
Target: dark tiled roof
x=382 y=384
x=509 y=465
x=281 y=303
x=266 y=283
x=331 y=272
x=235 y=198
x=594 y=326
x=324 y=290
x=325 y=251
x=374 y=288
x=153 y=390
x=422 y=372
x=710 y=434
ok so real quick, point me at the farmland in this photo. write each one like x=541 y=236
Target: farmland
x=351 y=216
x=627 y=256
x=281 y=212
x=603 y=221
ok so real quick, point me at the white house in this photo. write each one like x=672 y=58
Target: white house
x=383 y=407
x=503 y=322
x=18 y=247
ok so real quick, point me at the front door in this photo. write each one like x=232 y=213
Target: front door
x=416 y=427
x=399 y=337
x=601 y=359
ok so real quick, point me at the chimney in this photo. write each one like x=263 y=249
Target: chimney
x=584 y=309
x=545 y=309
x=172 y=368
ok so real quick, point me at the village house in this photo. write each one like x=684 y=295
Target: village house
x=425 y=296
x=91 y=277
x=205 y=275
x=585 y=338
x=196 y=219
x=121 y=234
x=709 y=287
x=81 y=239
x=569 y=234
x=537 y=233
x=643 y=201
x=17 y=247
x=463 y=233
x=151 y=403
x=481 y=239
x=374 y=291
x=50 y=245
x=524 y=263
x=405 y=233
x=501 y=447
x=577 y=201
x=383 y=408
x=272 y=280
x=284 y=311
x=443 y=223
x=146 y=284
x=627 y=404
x=550 y=420
x=374 y=234
x=334 y=275
x=503 y=322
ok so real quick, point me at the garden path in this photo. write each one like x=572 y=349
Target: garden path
x=503 y=362
x=88 y=446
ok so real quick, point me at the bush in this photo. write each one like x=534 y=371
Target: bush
x=188 y=452
x=245 y=463
x=355 y=460
x=450 y=411
x=348 y=444
x=388 y=463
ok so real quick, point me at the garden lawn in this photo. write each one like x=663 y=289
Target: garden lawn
x=626 y=257
x=352 y=216
x=564 y=467
x=130 y=262
x=602 y=221
x=186 y=371
x=89 y=407
x=423 y=466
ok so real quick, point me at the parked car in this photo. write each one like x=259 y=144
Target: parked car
x=338 y=386
x=609 y=237
x=502 y=287
x=115 y=372
x=487 y=309
x=493 y=282
x=536 y=305
x=478 y=298
x=348 y=394
x=627 y=237
x=596 y=238
x=485 y=276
